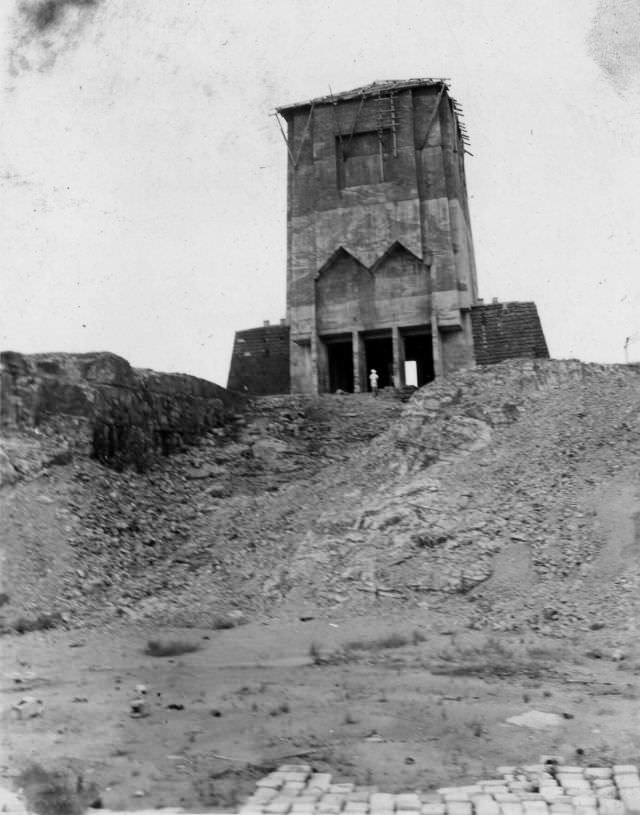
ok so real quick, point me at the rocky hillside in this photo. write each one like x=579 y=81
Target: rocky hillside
x=505 y=495
x=97 y=403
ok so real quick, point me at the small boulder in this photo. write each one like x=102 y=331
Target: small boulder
x=8 y=474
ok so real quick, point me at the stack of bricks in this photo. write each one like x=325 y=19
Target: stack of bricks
x=540 y=789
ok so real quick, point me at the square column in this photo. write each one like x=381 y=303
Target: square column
x=398 y=357
x=357 y=356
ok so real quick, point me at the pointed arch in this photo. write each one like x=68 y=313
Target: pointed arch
x=343 y=286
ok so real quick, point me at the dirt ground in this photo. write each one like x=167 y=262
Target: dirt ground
x=353 y=675
x=338 y=694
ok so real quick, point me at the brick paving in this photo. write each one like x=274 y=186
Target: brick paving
x=549 y=788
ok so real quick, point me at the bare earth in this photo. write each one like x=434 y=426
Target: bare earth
x=337 y=665
x=436 y=711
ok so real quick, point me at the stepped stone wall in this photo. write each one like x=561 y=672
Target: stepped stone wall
x=506 y=331
x=260 y=361
x=125 y=415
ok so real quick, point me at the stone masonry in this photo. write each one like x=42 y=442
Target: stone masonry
x=123 y=415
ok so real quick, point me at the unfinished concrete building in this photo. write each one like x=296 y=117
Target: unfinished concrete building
x=380 y=263
x=380 y=258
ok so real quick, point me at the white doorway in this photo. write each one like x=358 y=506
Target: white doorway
x=411 y=373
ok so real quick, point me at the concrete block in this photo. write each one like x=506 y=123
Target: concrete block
x=459 y=808
x=561 y=808
x=625 y=769
x=507 y=798
x=295 y=768
x=606 y=792
x=329 y=807
x=598 y=772
x=303 y=807
x=293 y=787
x=263 y=795
x=295 y=776
x=279 y=806
x=319 y=781
x=485 y=805
x=535 y=807
x=611 y=806
x=381 y=801
x=356 y=806
x=511 y=808
x=275 y=780
x=630 y=797
x=578 y=810
x=407 y=812
x=330 y=802
x=551 y=793
x=358 y=795
x=433 y=809
x=585 y=801
x=455 y=795
x=630 y=780
x=573 y=781
x=409 y=801
x=341 y=789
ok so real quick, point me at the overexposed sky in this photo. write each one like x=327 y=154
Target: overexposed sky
x=143 y=180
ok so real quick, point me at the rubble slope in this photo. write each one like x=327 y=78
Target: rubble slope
x=506 y=496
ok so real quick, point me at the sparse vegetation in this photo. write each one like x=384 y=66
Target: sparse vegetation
x=223 y=622
x=477 y=728
x=50 y=793
x=43 y=622
x=170 y=648
x=493 y=658
x=283 y=707
x=315 y=654
x=380 y=643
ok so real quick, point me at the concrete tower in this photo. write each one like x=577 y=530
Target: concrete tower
x=380 y=270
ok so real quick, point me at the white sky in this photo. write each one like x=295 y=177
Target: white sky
x=143 y=181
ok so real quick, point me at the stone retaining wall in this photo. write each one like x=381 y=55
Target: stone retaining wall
x=125 y=415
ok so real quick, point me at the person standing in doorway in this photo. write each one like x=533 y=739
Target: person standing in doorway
x=373 y=381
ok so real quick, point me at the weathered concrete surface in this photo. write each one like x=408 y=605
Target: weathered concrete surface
x=381 y=213
x=123 y=414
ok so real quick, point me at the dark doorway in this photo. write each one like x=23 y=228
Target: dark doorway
x=379 y=355
x=419 y=348
x=340 y=362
